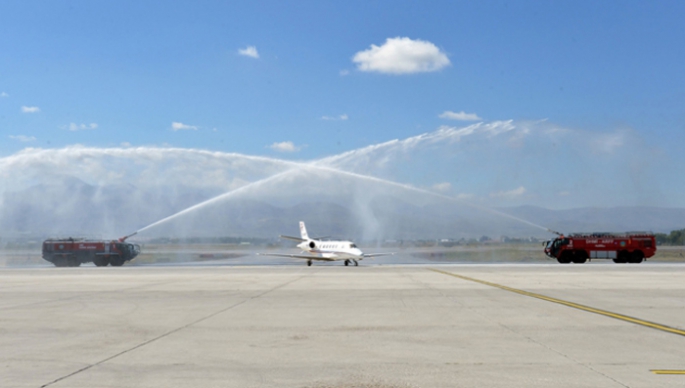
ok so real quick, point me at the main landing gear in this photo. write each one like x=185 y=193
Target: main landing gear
x=347 y=262
x=309 y=263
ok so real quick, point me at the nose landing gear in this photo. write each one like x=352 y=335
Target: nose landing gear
x=309 y=263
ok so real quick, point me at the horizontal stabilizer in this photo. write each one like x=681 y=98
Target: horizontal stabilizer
x=292 y=238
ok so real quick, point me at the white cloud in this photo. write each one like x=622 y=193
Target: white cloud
x=344 y=72
x=285 y=146
x=22 y=138
x=249 y=51
x=177 y=126
x=511 y=194
x=442 y=187
x=30 y=109
x=463 y=116
x=3 y=95
x=125 y=144
x=401 y=56
x=80 y=127
x=341 y=117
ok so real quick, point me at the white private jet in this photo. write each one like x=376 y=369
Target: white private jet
x=326 y=250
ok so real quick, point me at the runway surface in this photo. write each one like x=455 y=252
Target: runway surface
x=335 y=326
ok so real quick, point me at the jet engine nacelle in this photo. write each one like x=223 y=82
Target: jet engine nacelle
x=312 y=244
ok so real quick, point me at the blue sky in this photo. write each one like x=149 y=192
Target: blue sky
x=107 y=74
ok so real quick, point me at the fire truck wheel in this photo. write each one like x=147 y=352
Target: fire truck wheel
x=74 y=262
x=60 y=262
x=622 y=257
x=579 y=259
x=565 y=257
x=101 y=261
x=115 y=262
x=636 y=257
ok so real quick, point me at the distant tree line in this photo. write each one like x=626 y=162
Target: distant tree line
x=676 y=237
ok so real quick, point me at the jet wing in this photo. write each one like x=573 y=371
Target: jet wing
x=306 y=257
x=372 y=255
x=292 y=238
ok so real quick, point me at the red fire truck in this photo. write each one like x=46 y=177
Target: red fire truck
x=621 y=248
x=72 y=252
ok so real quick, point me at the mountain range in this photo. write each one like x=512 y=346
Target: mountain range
x=71 y=207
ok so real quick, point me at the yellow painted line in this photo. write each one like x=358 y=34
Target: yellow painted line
x=667 y=371
x=609 y=314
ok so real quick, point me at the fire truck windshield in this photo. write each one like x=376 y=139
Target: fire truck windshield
x=554 y=246
x=550 y=243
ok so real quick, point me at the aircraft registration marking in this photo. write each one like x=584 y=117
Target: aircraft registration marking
x=578 y=306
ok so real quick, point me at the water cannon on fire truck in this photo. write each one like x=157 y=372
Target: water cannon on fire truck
x=122 y=239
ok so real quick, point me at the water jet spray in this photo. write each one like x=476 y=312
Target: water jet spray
x=345 y=173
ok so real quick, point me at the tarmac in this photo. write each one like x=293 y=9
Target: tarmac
x=425 y=325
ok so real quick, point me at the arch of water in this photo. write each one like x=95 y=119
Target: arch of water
x=277 y=169
x=314 y=166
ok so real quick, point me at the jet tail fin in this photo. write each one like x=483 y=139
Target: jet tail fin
x=303 y=231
